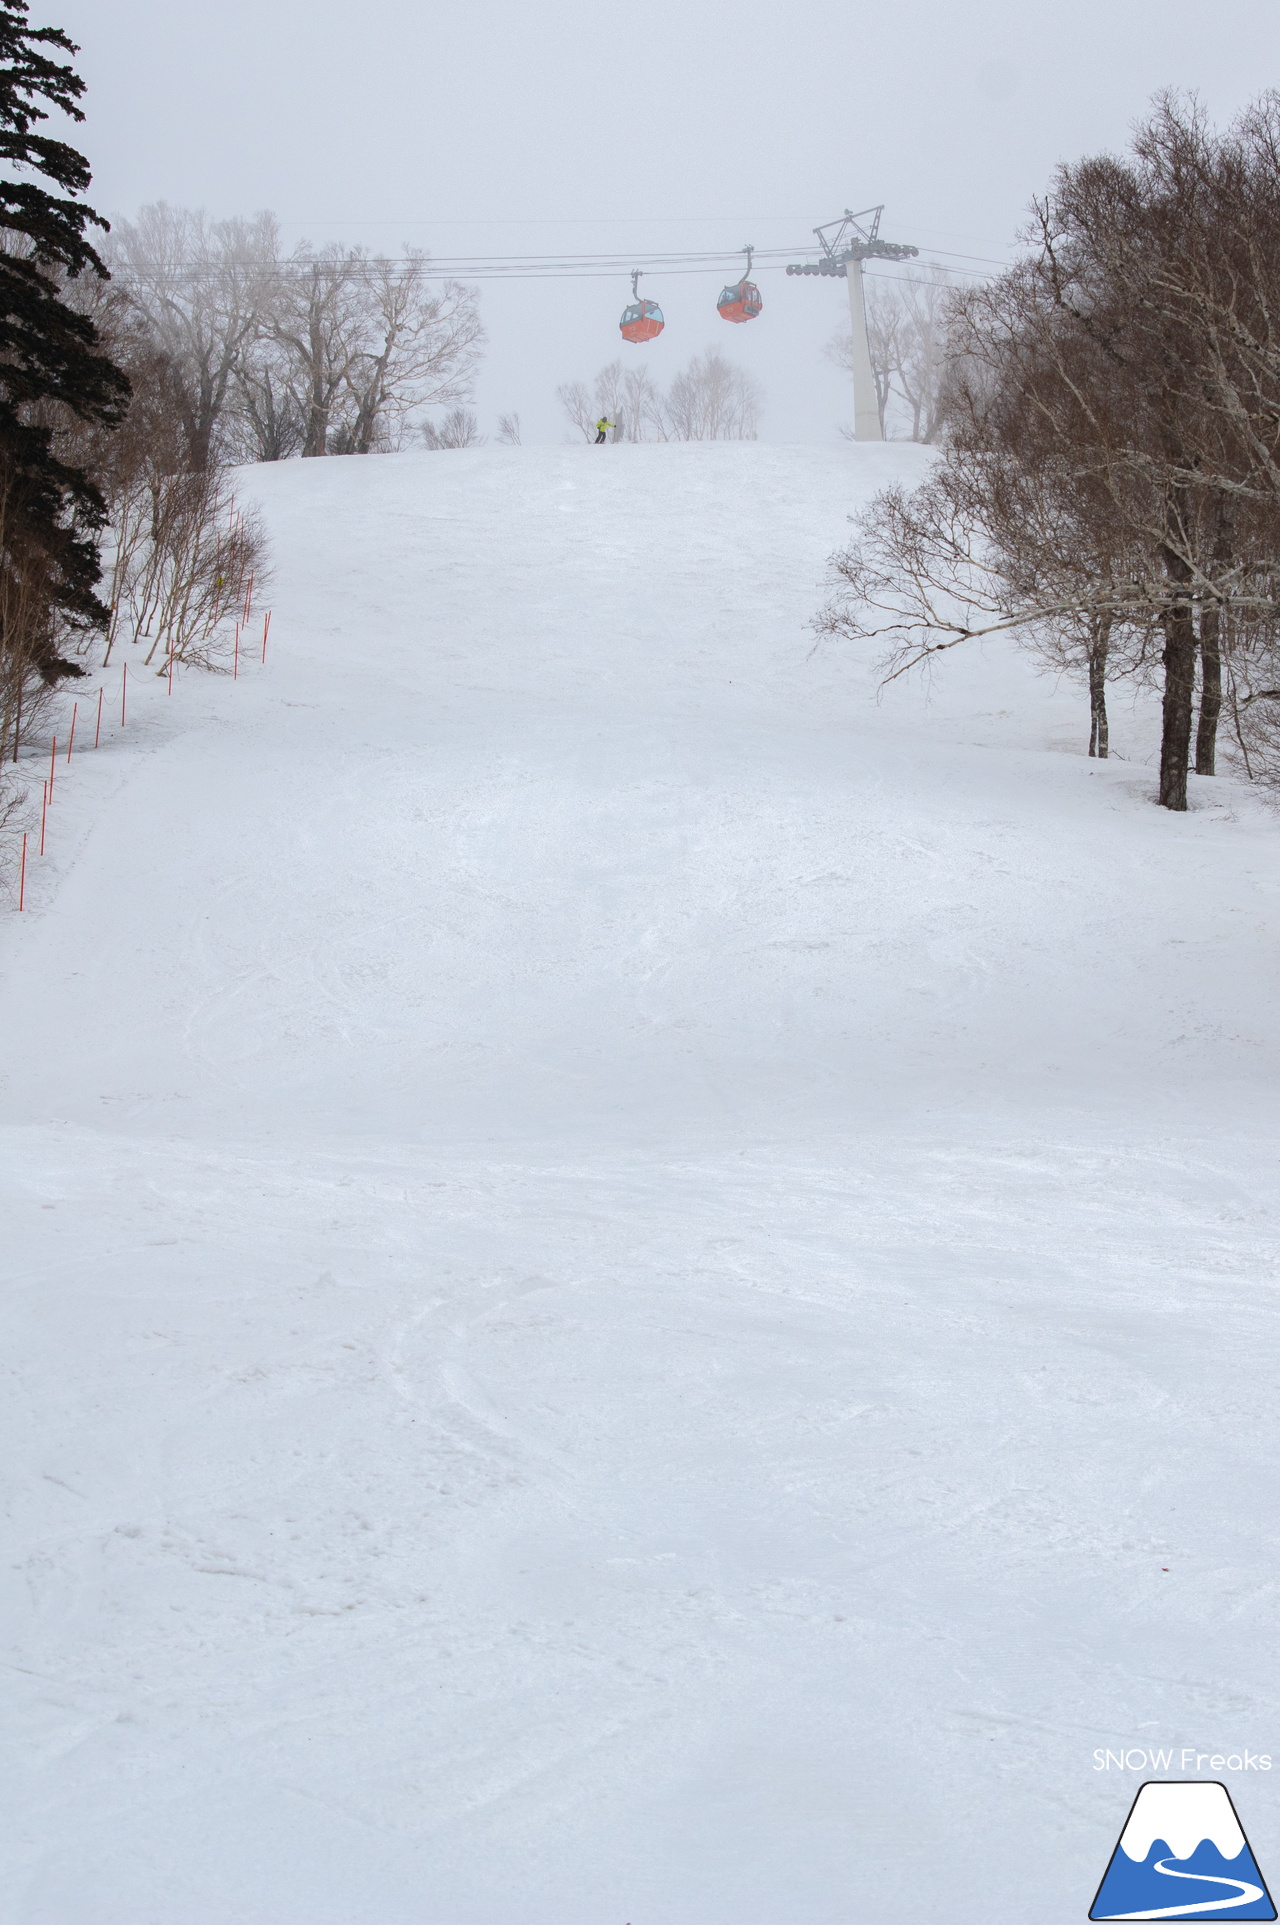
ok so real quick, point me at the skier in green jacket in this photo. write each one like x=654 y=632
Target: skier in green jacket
x=602 y=429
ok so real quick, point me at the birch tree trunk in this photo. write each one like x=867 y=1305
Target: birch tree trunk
x=1099 y=647
x=1210 y=689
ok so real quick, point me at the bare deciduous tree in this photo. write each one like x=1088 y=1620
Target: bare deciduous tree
x=266 y=419
x=187 y=576
x=316 y=323
x=202 y=287
x=418 y=345
x=329 y=350
x=1113 y=453
x=906 y=331
x=642 y=412
x=180 y=554
x=1250 y=662
x=709 y=400
x=576 y=402
x=629 y=396
x=458 y=429
x=712 y=400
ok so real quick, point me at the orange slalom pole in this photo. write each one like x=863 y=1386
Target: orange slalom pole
x=266 y=630
x=72 y=741
x=235 y=666
x=97 y=733
x=22 y=874
x=53 y=759
x=44 y=811
x=124 y=689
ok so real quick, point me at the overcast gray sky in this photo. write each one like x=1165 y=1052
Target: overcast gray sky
x=654 y=126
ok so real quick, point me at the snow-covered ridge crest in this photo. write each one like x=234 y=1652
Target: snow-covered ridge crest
x=1183 y=1815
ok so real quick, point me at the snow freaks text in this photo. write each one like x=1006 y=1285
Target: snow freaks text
x=1188 y=1760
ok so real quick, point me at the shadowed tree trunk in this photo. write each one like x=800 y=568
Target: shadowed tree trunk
x=1179 y=686
x=1099 y=737
x=1211 y=661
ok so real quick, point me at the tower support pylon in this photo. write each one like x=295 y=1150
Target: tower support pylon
x=857 y=241
x=867 y=424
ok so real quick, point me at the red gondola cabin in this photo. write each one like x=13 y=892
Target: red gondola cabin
x=642 y=321
x=741 y=302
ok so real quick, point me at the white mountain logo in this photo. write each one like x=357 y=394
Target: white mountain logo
x=1183 y=1855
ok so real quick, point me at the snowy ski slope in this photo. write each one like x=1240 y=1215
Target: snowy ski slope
x=624 y=1266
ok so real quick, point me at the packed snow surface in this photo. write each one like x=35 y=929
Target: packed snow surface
x=640 y=1288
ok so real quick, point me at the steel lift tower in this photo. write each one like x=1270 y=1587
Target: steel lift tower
x=853 y=243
